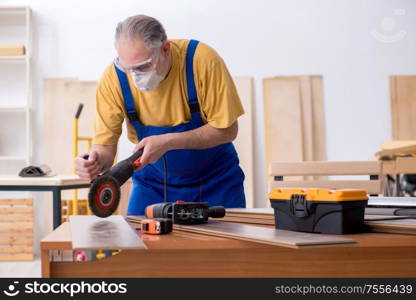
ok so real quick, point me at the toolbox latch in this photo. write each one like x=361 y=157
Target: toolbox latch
x=298 y=205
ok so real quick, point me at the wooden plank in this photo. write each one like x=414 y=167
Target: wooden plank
x=244 y=141
x=12 y=50
x=283 y=120
x=16 y=210
x=396 y=202
x=371 y=186
x=251 y=211
x=16 y=249
x=17 y=232
x=307 y=118
x=58 y=180
x=388 y=167
x=16 y=257
x=91 y=232
x=16 y=202
x=325 y=168
x=261 y=221
x=319 y=133
x=264 y=235
x=14 y=218
x=394 y=108
x=397 y=152
x=390 y=145
x=404 y=226
x=406 y=165
x=125 y=191
x=15 y=226
x=403 y=104
x=16 y=241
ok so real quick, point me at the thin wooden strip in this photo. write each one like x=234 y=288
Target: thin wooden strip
x=406 y=165
x=248 y=220
x=15 y=210
x=16 y=241
x=318 y=118
x=17 y=233
x=16 y=202
x=394 y=107
x=397 y=151
x=16 y=249
x=258 y=211
x=244 y=141
x=325 y=168
x=16 y=226
x=404 y=226
x=264 y=235
x=305 y=91
x=16 y=218
x=370 y=186
x=16 y=257
x=91 y=232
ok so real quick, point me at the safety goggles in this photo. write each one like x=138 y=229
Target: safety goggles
x=143 y=67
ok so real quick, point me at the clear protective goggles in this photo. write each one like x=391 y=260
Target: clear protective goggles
x=140 y=68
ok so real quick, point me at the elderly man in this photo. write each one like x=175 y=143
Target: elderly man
x=181 y=106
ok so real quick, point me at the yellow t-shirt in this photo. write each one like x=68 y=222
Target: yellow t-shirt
x=167 y=105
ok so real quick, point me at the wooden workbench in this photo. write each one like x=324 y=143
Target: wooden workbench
x=182 y=254
x=55 y=184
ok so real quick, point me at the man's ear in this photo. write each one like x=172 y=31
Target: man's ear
x=166 y=48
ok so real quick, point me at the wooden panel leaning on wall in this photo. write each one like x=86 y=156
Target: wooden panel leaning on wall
x=244 y=141
x=294 y=119
x=403 y=107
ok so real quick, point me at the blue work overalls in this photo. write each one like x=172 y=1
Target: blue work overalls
x=210 y=175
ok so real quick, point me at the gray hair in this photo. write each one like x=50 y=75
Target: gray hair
x=143 y=28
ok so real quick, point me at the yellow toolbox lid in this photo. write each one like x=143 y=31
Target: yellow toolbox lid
x=320 y=194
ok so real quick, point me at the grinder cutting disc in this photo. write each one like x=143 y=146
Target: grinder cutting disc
x=104 y=196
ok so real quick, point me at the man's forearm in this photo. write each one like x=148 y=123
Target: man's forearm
x=203 y=137
x=106 y=155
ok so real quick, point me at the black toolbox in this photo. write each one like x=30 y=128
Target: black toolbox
x=319 y=210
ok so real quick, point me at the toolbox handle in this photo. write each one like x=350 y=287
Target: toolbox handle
x=298 y=205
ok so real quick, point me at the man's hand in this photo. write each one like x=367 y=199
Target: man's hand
x=90 y=168
x=154 y=148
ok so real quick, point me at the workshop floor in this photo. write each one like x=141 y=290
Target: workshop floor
x=25 y=269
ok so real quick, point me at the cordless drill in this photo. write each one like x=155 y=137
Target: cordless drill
x=185 y=213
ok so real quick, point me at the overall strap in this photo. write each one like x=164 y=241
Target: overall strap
x=190 y=82
x=128 y=99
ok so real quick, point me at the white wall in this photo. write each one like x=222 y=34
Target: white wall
x=259 y=38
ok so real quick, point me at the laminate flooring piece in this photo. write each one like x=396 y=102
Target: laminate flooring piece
x=257 y=234
x=402 y=226
x=91 y=232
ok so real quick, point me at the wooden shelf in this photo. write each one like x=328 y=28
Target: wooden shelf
x=13 y=58
x=19 y=109
x=12 y=158
x=13 y=9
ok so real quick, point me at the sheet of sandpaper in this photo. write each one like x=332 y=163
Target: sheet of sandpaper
x=91 y=232
x=263 y=235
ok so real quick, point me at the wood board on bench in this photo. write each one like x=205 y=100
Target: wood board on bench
x=265 y=216
x=401 y=226
x=263 y=235
x=91 y=232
